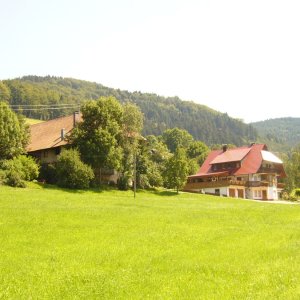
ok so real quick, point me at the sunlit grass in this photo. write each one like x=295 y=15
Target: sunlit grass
x=60 y=244
x=32 y=121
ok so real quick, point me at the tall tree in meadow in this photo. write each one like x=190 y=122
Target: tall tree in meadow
x=132 y=127
x=14 y=134
x=98 y=135
x=177 y=169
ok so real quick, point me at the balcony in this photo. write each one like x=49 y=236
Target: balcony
x=258 y=183
x=212 y=184
x=280 y=185
x=269 y=170
x=225 y=183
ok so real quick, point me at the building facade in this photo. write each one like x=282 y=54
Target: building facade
x=246 y=172
x=48 y=138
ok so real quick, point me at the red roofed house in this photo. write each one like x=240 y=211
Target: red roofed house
x=245 y=172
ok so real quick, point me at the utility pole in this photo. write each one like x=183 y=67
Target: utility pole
x=134 y=174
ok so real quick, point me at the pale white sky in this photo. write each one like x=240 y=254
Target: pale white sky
x=236 y=56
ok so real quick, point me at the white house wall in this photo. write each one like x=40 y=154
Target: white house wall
x=223 y=191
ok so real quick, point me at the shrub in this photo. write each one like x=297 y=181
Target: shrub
x=72 y=172
x=29 y=167
x=297 y=193
x=14 y=178
x=2 y=177
x=48 y=173
x=123 y=182
x=15 y=171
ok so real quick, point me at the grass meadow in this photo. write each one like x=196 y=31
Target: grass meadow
x=60 y=244
x=32 y=121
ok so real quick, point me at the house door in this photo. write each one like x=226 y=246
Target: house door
x=232 y=193
x=240 y=193
x=264 y=195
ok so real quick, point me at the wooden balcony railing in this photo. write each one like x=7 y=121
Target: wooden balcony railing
x=258 y=183
x=225 y=183
x=213 y=184
x=280 y=185
x=269 y=170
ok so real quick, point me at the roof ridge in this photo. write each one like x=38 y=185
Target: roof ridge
x=52 y=120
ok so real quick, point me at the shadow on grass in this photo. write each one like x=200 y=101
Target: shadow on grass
x=100 y=189
x=73 y=191
x=166 y=193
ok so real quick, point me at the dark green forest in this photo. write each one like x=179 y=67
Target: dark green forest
x=50 y=97
x=281 y=134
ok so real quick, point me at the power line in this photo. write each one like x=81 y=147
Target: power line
x=44 y=105
x=44 y=108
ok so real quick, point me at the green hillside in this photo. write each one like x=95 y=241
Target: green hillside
x=64 y=95
x=281 y=134
x=32 y=121
x=60 y=244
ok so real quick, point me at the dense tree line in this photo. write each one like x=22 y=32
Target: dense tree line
x=280 y=134
x=160 y=113
x=109 y=137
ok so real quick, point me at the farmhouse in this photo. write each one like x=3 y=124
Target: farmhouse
x=250 y=172
x=48 y=138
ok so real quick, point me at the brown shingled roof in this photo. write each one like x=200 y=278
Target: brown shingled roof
x=47 y=134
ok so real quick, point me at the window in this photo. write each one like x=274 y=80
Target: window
x=57 y=150
x=257 y=194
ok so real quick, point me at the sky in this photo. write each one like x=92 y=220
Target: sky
x=236 y=56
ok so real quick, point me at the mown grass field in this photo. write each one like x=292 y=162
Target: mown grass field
x=59 y=244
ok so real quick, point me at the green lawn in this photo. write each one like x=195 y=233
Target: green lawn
x=59 y=244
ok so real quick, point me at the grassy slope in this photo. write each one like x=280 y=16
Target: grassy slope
x=32 y=121
x=85 y=245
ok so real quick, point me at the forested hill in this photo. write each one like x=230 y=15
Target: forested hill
x=282 y=134
x=65 y=95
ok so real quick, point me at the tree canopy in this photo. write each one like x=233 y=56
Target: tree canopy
x=13 y=133
x=97 y=136
x=176 y=170
x=176 y=137
x=160 y=113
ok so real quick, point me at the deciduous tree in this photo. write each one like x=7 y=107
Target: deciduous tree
x=97 y=136
x=13 y=133
x=176 y=137
x=177 y=168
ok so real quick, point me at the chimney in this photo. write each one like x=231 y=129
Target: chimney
x=62 y=134
x=75 y=118
x=224 y=147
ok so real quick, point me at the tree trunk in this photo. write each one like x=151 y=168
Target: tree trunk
x=100 y=176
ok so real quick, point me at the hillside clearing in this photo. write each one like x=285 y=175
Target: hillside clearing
x=60 y=244
x=33 y=121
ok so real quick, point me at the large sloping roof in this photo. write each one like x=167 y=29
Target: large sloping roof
x=270 y=157
x=47 y=134
x=231 y=155
x=251 y=159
